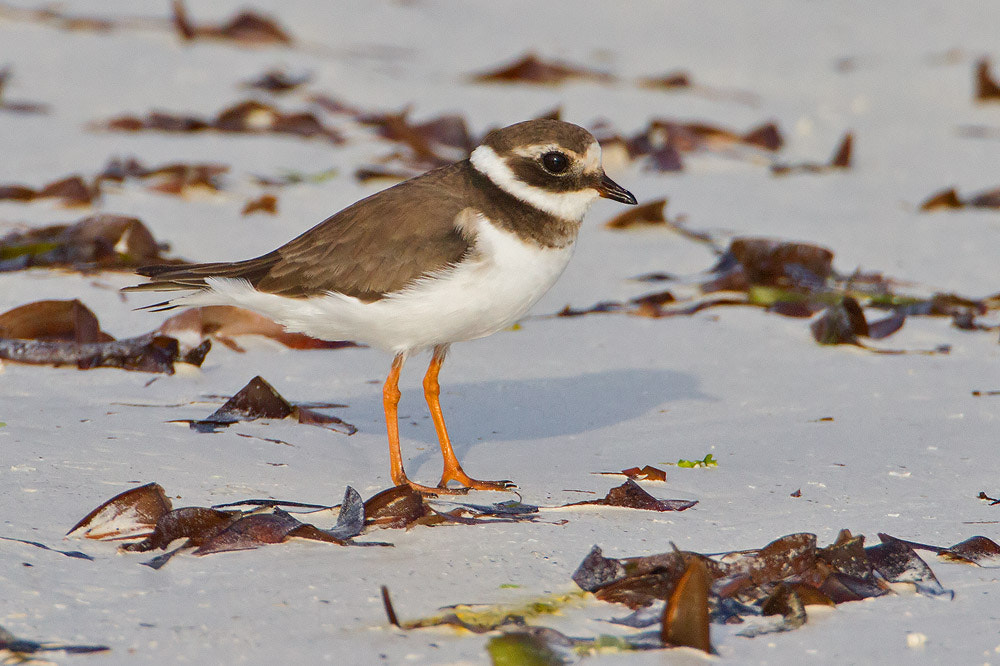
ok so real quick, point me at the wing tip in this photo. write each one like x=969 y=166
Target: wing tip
x=162 y=306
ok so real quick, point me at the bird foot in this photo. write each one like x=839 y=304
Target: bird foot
x=435 y=490
x=459 y=476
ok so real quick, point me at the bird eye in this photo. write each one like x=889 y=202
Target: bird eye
x=555 y=162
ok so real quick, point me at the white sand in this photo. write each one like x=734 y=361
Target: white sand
x=907 y=452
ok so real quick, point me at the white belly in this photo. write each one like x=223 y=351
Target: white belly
x=494 y=289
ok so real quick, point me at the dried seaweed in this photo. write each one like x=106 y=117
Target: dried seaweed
x=248 y=28
x=949 y=199
x=631 y=496
x=177 y=178
x=67 y=333
x=265 y=203
x=644 y=473
x=664 y=140
x=259 y=400
x=684 y=592
x=145 y=353
x=653 y=214
x=841 y=159
x=247 y=117
x=481 y=618
x=75 y=554
x=71 y=192
x=16 y=107
x=686 y=617
x=278 y=81
x=978 y=550
x=426 y=145
x=21 y=648
x=532 y=69
x=798 y=280
x=144 y=516
x=70 y=321
x=669 y=81
x=778 y=580
x=987 y=88
x=128 y=515
x=396 y=507
x=98 y=242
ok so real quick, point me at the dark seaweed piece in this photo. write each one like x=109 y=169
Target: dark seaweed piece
x=22 y=646
x=69 y=321
x=278 y=81
x=841 y=159
x=399 y=506
x=68 y=553
x=129 y=514
x=631 y=496
x=351 y=519
x=597 y=571
x=97 y=242
x=896 y=561
x=250 y=532
x=987 y=89
x=686 y=616
x=145 y=353
x=259 y=400
x=532 y=69
x=194 y=523
x=840 y=323
x=248 y=28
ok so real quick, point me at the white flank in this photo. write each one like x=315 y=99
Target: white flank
x=567 y=205
x=490 y=290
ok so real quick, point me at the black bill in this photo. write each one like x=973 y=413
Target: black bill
x=609 y=189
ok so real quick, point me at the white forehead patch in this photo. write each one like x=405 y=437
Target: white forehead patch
x=592 y=158
x=567 y=205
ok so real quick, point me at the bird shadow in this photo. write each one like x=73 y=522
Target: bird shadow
x=525 y=409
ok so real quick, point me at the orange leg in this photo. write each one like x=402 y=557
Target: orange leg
x=390 y=402
x=452 y=468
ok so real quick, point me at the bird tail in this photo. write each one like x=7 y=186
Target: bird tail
x=192 y=277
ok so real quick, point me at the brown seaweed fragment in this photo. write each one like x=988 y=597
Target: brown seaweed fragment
x=686 y=617
x=98 y=242
x=194 y=523
x=265 y=203
x=248 y=28
x=16 y=107
x=841 y=159
x=21 y=648
x=278 y=81
x=944 y=200
x=246 y=117
x=949 y=199
x=259 y=400
x=52 y=320
x=128 y=515
x=145 y=353
x=71 y=192
x=146 y=513
x=987 y=88
x=670 y=81
x=897 y=562
x=534 y=70
x=630 y=495
x=396 y=507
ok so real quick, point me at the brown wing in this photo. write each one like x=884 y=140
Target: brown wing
x=367 y=250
